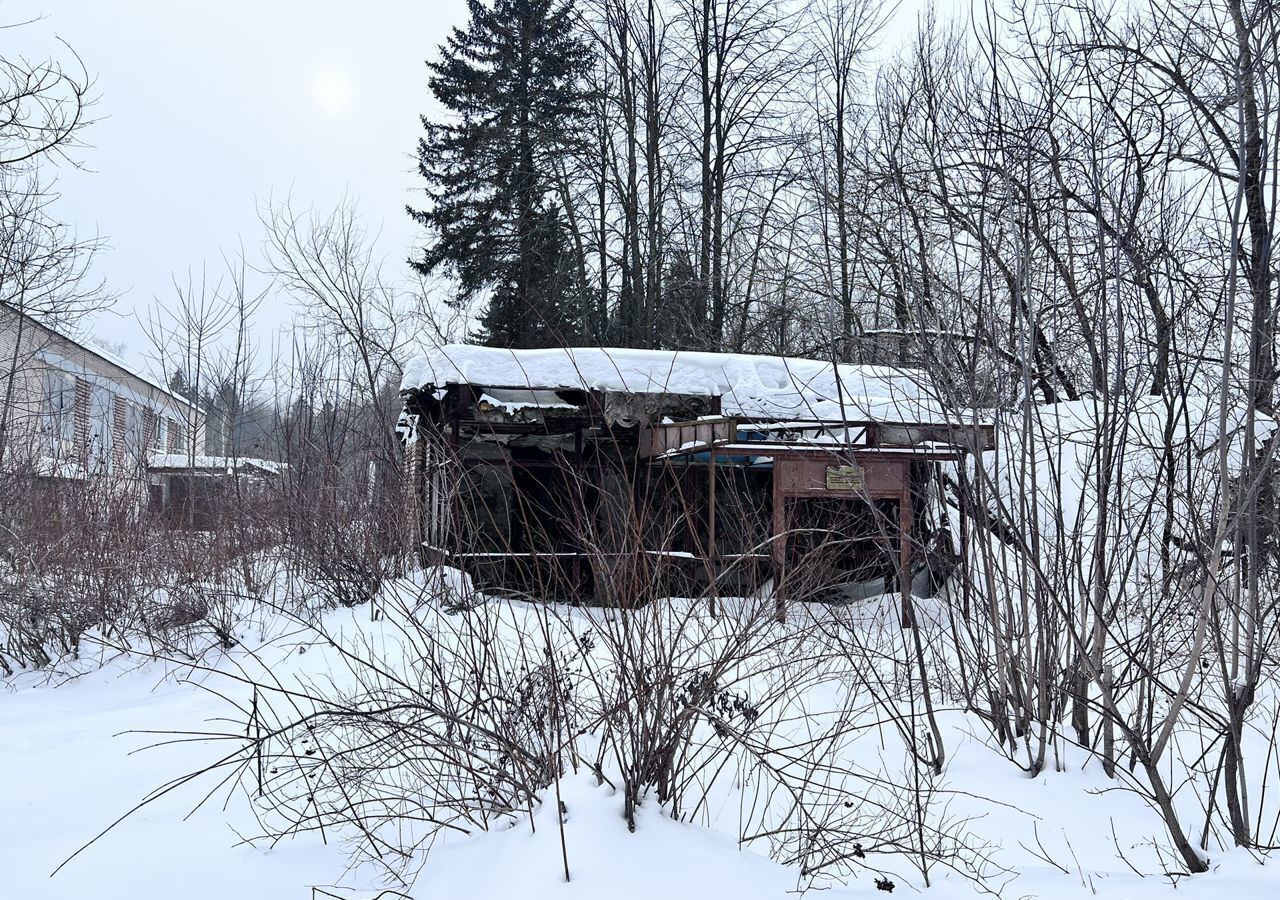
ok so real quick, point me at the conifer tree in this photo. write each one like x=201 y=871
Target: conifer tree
x=512 y=85
x=179 y=384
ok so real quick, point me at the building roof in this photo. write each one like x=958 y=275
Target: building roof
x=761 y=387
x=185 y=462
x=104 y=355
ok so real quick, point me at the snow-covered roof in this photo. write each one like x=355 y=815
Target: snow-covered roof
x=766 y=387
x=212 y=463
x=120 y=363
x=107 y=356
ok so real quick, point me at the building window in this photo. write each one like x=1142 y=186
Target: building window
x=58 y=417
x=100 y=430
x=134 y=435
x=177 y=437
x=160 y=433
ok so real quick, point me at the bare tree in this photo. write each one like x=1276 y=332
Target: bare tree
x=44 y=266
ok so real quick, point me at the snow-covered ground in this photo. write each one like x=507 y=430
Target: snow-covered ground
x=75 y=763
x=73 y=753
x=71 y=768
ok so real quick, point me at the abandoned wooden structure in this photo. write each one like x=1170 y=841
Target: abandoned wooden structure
x=201 y=492
x=610 y=473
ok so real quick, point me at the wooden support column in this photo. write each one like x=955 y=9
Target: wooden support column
x=904 y=544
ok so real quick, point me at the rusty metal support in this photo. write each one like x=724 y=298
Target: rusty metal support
x=576 y=567
x=711 y=505
x=713 y=567
x=904 y=555
x=779 y=544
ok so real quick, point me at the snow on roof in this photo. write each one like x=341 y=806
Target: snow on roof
x=220 y=463
x=120 y=363
x=107 y=356
x=768 y=387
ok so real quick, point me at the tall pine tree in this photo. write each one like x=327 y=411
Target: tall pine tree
x=513 y=84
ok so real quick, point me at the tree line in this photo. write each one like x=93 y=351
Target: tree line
x=761 y=176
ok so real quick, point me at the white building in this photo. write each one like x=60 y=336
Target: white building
x=68 y=410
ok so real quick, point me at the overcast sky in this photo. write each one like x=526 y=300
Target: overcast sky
x=206 y=110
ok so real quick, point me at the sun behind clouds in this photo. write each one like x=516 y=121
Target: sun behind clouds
x=332 y=91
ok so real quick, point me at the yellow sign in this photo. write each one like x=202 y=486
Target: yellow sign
x=844 y=478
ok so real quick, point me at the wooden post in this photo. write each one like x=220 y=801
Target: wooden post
x=904 y=544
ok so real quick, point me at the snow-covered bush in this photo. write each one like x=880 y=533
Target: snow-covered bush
x=455 y=713
x=84 y=563
x=1118 y=601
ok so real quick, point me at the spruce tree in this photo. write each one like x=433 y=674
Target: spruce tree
x=512 y=84
x=179 y=384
